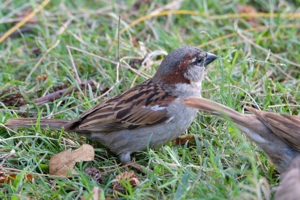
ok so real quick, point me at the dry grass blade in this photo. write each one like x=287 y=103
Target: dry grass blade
x=214 y=17
x=267 y=51
x=24 y=21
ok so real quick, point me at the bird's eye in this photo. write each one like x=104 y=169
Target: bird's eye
x=199 y=60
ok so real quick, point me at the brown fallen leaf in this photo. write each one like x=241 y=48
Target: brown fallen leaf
x=7 y=178
x=62 y=163
x=95 y=174
x=182 y=140
x=98 y=194
x=12 y=97
x=125 y=176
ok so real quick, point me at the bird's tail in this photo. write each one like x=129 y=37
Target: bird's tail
x=215 y=108
x=279 y=151
x=56 y=124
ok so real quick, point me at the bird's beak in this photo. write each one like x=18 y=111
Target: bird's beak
x=210 y=58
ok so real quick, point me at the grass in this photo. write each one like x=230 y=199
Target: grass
x=258 y=65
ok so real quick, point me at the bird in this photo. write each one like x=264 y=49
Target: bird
x=289 y=186
x=278 y=135
x=148 y=115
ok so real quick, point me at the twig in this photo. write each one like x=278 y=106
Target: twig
x=60 y=93
x=7 y=169
x=20 y=31
x=104 y=94
x=27 y=136
x=7 y=128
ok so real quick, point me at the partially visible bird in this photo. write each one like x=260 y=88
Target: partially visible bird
x=289 y=187
x=148 y=115
x=278 y=135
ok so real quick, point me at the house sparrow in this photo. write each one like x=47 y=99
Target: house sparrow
x=289 y=187
x=150 y=114
x=278 y=135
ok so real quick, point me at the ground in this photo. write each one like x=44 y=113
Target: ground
x=118 y=44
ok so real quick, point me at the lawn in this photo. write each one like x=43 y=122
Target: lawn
x=119 y=44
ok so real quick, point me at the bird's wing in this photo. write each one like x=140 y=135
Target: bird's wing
x=284 y=126
x=145 y=104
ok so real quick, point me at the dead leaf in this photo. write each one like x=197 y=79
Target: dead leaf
x=95 y=174
x=63 y=163
x=246 y=9
x=125 y=176
x=12 y=97
x=98 y=194
x=182 y=140
x=84 y=153
x=7 y=178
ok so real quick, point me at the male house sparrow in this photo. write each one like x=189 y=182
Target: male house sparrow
x=278 y=135
x=150 y=114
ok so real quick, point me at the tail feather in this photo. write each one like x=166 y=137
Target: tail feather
x=279 y=151
x=56 y=124
x=216 y=109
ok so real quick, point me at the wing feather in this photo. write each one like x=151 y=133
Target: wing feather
x=145 y=104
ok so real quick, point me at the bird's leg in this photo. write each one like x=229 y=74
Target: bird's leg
x=126 y=160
